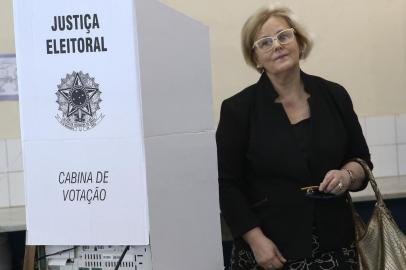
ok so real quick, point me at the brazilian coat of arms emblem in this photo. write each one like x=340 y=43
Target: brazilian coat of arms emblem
x=78 y=97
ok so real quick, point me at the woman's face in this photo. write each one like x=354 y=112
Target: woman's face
x=281 y=58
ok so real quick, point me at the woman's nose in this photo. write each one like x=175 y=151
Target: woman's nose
x=276 y=44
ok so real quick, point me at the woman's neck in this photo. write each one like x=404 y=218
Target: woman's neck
x=288 y=85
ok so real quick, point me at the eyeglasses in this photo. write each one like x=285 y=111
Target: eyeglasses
x=265 y=44
x=314 y=193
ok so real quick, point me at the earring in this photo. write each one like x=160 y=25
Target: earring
x=260 y=68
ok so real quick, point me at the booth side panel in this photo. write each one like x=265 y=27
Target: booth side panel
x=183 y=202
x=179 y=139
x=175 y=71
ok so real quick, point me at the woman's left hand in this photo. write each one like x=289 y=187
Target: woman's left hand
x=336 y=182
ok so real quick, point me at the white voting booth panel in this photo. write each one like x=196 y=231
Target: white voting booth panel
x=138 y=110
x=175 y=71
x=81 y=121
x=180 y=146
x=184 y=232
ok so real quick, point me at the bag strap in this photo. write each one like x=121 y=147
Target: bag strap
x=372 y=181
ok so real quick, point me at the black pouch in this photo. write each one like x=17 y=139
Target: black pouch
x=313 y=192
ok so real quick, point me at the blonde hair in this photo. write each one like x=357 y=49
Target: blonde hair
x=254 y=24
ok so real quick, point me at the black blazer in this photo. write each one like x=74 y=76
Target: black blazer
x=261 y=168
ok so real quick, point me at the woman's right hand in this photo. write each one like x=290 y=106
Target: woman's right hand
x=266 y=253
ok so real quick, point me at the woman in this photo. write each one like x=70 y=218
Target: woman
x=288 y=131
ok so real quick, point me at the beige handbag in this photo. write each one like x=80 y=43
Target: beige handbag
x=381 y=245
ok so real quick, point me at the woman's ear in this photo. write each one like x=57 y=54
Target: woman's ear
x=301 y=50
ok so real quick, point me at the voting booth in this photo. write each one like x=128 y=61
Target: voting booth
x=117 y=129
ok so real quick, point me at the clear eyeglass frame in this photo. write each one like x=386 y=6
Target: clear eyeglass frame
x=265 y=44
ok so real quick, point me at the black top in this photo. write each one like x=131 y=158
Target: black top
x=261 y=167
x=303 y=133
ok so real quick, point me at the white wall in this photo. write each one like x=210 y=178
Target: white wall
x=360 y=44
x=11 y=173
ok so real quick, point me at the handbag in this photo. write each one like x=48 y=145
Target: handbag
x=381 y=245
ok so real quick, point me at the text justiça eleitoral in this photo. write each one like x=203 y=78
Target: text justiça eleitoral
x=85 y=22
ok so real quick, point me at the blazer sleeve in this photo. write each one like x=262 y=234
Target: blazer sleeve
x=232 y=141
x=357 y=146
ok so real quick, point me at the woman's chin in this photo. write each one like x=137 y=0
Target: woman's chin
x=283 y=68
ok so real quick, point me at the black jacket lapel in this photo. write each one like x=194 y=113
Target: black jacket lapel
x=275 y=135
